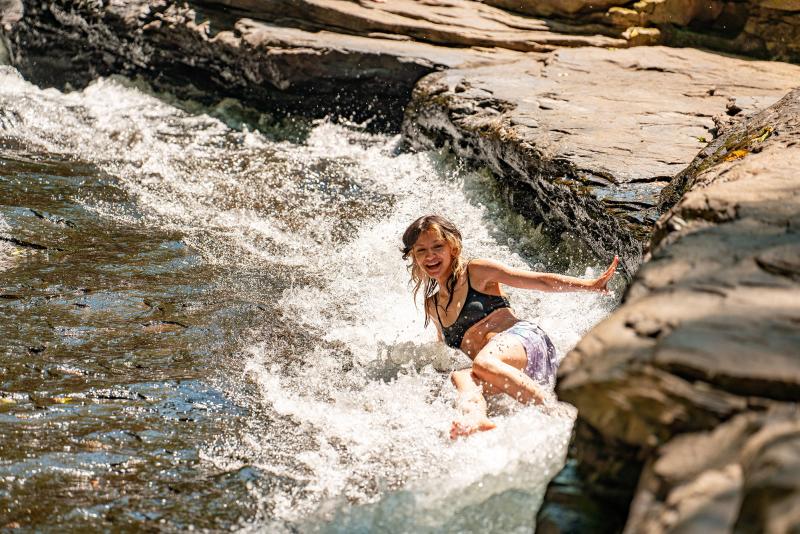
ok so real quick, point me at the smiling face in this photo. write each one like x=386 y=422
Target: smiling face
x=433 y=244
x=433 y=254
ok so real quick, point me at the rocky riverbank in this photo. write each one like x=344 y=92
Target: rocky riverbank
x=696 y=376
x=209 y=54
x=767 y=29
x=590 y=136
x=592 y=139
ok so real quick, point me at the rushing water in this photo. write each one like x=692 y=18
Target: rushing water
x=208 y=326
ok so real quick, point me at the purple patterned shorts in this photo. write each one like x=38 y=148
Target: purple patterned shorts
x=542 y=361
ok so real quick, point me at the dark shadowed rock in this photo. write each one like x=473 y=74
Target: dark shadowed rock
x=767 y=29
x=210 y=55
x=547 y=8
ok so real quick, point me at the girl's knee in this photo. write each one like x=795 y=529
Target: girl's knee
x=457 y=377
x=483 y=364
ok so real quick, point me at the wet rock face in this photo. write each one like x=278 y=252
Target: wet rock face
x=589 y=137
x=709 y=330
x=209 y=55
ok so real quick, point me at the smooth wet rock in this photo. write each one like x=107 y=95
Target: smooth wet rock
x=708 y=329
x=590 y=152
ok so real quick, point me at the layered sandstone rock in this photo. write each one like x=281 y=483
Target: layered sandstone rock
x=209 y=55
x=592 y=135
x=708 y=330
x=765 y=28
x=447 y=22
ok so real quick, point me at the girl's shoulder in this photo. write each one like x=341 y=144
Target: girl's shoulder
x=483 y=263
x=430 y=304
x=479 y=268
x=482 y=272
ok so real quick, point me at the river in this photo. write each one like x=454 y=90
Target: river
x=207 y=324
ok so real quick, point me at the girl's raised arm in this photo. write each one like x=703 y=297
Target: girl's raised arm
x=492 y=271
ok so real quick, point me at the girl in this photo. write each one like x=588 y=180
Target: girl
x=471 y=313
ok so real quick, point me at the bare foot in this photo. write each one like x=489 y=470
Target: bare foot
x=466 y=427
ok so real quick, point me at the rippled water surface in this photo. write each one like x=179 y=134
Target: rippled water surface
x=209 y=326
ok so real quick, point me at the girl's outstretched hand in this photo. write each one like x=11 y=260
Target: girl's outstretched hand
x=601 y=283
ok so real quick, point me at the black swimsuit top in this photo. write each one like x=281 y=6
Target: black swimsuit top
x=476 y=306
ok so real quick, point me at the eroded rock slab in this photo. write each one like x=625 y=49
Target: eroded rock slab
x=710 y=326
x=206 y=55
x=766 y=29
x=447 y=22
x=592 y=135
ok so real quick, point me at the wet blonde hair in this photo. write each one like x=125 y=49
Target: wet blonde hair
x=449 y=233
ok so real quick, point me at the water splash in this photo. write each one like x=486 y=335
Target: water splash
x=349 y=393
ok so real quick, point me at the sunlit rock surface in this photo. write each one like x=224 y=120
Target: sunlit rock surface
x=708 y=330
x=208 y=55
x=452 y=22
x=767 y=29
x=592 y=135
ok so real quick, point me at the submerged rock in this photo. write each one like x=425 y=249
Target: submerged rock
x=708 y=330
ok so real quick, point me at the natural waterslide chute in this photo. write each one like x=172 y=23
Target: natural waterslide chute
x=339 y=401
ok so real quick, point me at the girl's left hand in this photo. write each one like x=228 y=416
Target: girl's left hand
x=601 y=282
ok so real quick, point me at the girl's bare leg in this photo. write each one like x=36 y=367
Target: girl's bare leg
x=501 y=363
x=471 y=403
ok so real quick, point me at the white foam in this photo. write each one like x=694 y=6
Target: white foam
x=380 y=425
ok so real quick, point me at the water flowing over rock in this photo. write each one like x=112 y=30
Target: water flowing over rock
x=709 y=330
x=686 y=394
x=212 y=55
x=585 y=138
